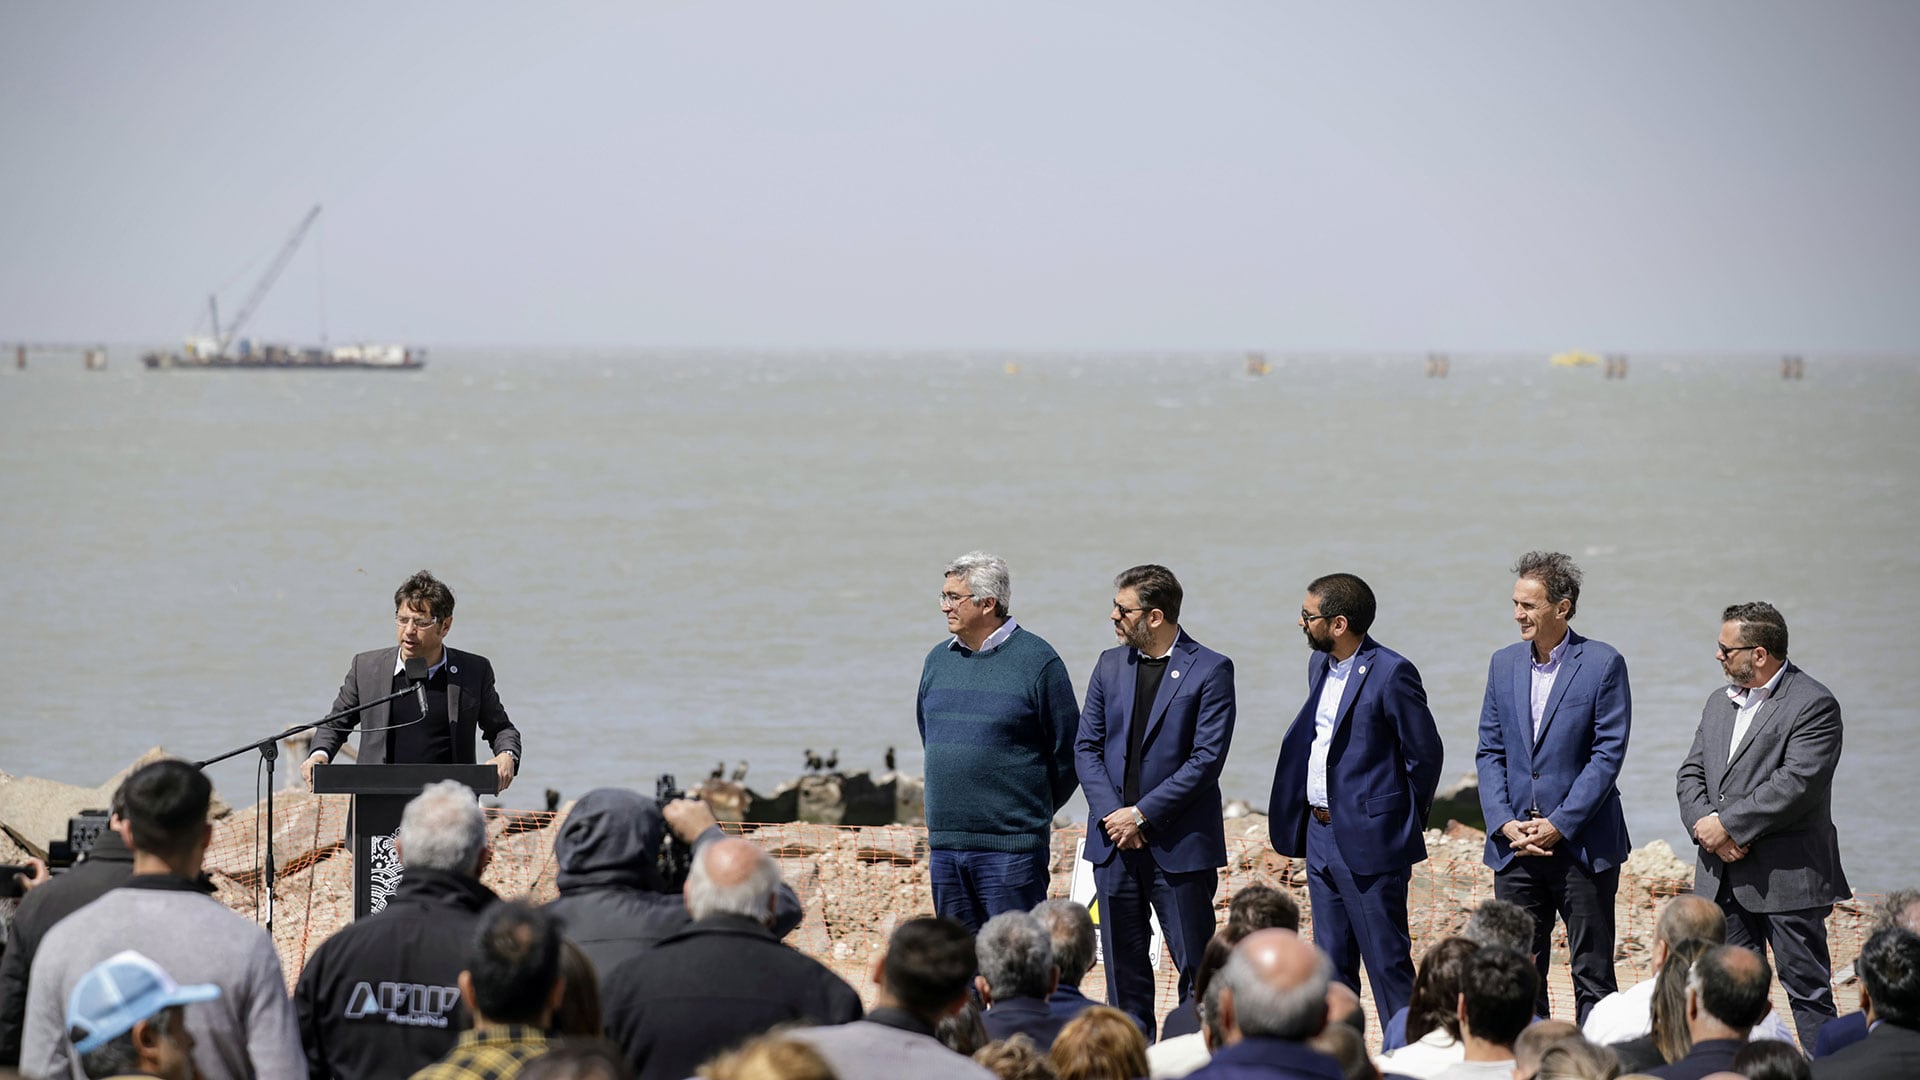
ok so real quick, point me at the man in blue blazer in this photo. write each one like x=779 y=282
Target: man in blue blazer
x=1153 y=737
x=1553 y=734
x=1353 y=788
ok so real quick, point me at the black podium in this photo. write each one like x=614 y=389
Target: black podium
x=380 y=794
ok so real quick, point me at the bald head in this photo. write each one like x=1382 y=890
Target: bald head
x=1274 y=986
x=1688 y=915
x=1535 y=1039
x=732 y=877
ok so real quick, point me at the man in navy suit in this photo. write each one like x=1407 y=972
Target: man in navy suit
x=1553 y=734
x=1153 y=737
x=1353 y=787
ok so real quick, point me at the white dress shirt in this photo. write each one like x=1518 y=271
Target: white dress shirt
x=1325 y=712
x=1748 y=703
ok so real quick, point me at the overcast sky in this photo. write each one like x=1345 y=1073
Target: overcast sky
x=890 y=174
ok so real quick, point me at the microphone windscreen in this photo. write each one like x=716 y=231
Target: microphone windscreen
x=417 y=669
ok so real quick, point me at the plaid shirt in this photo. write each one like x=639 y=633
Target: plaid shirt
x=494 y=1054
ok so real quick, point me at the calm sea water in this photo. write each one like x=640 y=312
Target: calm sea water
x=680 y=559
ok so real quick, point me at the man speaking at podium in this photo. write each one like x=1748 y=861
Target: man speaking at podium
x=459 y=695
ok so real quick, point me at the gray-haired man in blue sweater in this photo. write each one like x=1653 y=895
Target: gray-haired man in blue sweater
x=998 y=718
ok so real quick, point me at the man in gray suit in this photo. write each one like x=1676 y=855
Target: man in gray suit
x=459 y=695
x=1756 y=795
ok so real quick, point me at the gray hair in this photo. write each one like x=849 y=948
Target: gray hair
x=1070 y=926
x=1262 y=1011
x=118 y=1056
x=1016 y=956
x=752 y=896
x=443 y=829
x=987 y=578
x=1901 y=908
x=1500 y=924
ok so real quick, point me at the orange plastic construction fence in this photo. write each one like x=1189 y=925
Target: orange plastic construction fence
x=857 y=884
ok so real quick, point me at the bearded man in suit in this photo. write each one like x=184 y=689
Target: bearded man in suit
x=459 y=694
x=1756 y=795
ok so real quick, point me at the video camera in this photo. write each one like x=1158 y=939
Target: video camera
x=675 y=859
x=83 y=829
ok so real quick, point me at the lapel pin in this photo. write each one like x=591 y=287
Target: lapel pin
x=1175 y=674
x=451 y=670
x=1363 y=669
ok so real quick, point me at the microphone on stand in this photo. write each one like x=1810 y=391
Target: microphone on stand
x=417 y=675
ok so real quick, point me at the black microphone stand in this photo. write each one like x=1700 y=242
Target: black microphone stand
x=269 y=749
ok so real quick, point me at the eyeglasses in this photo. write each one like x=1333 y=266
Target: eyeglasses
x=948 y=599
x=1308 y=616
x=1125 y=611
x=404 y=621
x=1725 y=651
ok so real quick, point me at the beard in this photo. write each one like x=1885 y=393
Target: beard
x=1318 y=644
x=1137 y=636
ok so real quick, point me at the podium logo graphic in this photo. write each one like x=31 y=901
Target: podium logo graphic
x=384 y=872
x=412 y=1004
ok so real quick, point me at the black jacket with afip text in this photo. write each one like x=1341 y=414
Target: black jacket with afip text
x=381 y=998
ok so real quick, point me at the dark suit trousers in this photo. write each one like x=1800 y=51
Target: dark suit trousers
x=1800 y=959
x=1132 y=889
x=1557 y=884
x=1360 y=918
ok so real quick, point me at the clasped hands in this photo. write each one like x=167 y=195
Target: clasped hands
x=1714 y=837
x=1123 y=828
x=1535 y=836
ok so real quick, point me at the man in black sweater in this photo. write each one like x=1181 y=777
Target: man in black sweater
x=723 y=979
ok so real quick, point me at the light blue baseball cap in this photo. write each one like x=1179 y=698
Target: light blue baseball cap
x=118 y=993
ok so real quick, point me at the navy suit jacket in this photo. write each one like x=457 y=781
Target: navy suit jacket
x=1183 y=749
x=1569 y=773
x=1382 y=767
x=1268 y=1059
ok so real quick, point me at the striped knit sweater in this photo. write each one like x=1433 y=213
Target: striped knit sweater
x=998 y=727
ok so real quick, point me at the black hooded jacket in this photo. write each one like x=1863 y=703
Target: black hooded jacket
x=381 y=997
x=612 y=903
x=107 y=866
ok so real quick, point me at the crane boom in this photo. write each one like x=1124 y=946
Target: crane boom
x=261 y=287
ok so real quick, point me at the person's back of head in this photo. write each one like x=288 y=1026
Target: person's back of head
x=1691 y=915
x=769 y=1057
x=580 y=1014
x=1206 y=998
x=443 y=828
x=1729 y=984
x=612 y=836
x=513 y=966
x=962 y=1030
x=732 y=877
x=927 y=967
x=1070 y=928
x=1101 y=1043
x=1901 y=908
x=579 y=1059
x=1574 y=1058
x=1274 y=986
x=1262 y=907
x=1501 y=924
x=1434 y=1005
x=1344 y=1045
x=1016 y=957
x=1497 y=990
x=1771 y=1059
x=166 y=809
x=1534 y=1041
x=1014 y=1058
x=1889 y=969
x=1344 y=1008
x=1668 y=1010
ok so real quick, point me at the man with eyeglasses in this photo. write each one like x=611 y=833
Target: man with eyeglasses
x=1153 y=739
x=460 y=695
x=1353 y=787
x=997 y=717
x=1756 y=796
x=1553 y=736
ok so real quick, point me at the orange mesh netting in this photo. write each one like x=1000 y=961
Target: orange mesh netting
x=856 y=884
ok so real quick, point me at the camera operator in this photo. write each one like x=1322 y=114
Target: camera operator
x=613 y=901
x=107 y=866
